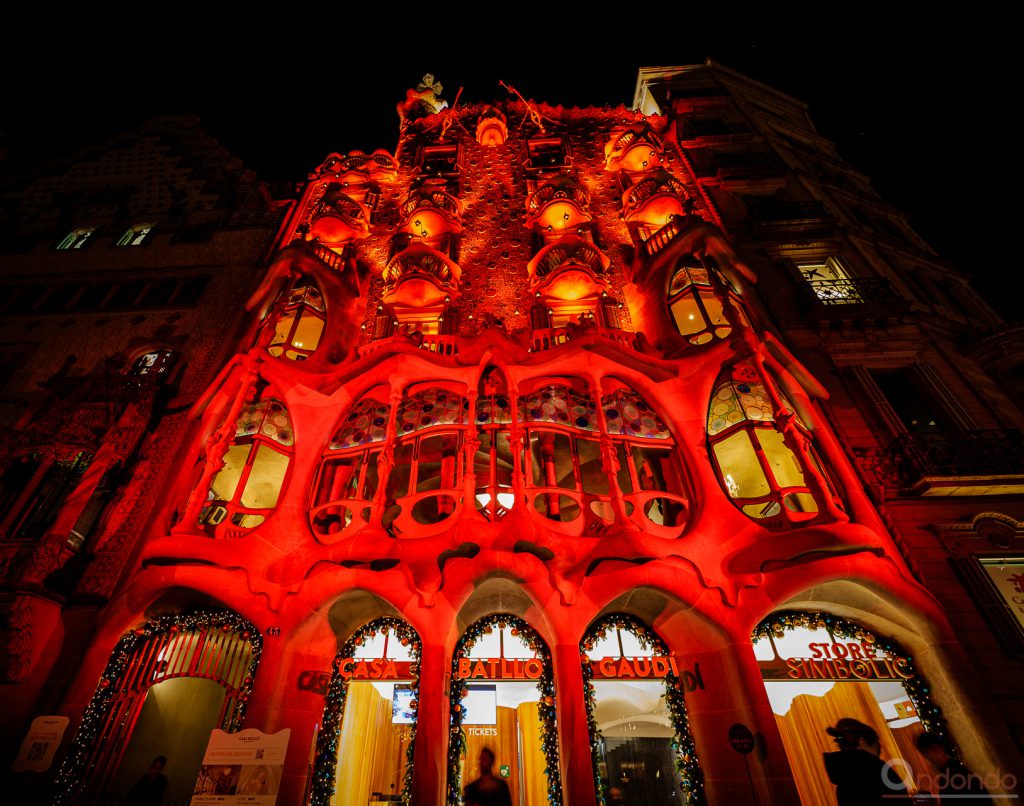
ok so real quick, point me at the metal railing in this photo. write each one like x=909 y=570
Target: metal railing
x=860 y=291
x=777 y=212
x=996 y=452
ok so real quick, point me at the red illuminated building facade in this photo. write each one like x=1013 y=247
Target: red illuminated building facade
x=593 y=436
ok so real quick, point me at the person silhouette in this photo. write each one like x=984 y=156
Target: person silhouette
x=860 y=776
x=149 y=789
x=487 y=790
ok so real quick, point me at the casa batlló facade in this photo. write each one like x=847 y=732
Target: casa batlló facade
x=637 y=444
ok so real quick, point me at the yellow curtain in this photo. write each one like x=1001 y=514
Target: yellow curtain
x=805 y=740
x=535 y=783
x=505 y=746
x=371 y=752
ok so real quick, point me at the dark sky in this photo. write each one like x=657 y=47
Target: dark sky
x=917 y=106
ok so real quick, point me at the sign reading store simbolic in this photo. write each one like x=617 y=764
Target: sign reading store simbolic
x=848 y=660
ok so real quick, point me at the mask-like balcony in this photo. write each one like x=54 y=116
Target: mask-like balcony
x=654 y=201
x=568 y=269
x=379 y=166
x=491 y=128
x=431 y=211
x=637 y=150
x=419 y=276
x=339 y=220
x=558 y=204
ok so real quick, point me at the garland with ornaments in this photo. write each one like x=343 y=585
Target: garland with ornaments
x=687 y=762
x=546 y=705
x=778 y=624
x=76 y=767
x=326 y=762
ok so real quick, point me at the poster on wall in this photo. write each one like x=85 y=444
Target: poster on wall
x=241 y=768
x=1007 y=577
x=40 y=744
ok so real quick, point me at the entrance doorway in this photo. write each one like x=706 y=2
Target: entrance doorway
x=365 y=745
x=818 y=669
x=167 y=684
x=503 y=700
x=642 y=748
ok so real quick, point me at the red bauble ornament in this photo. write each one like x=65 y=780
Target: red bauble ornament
x=413 y=705
x=549 y=700
x=358 y=642
x=515 y=631
x=456 y=708
x=139 y=632
x=246 y=634
x=104 y=683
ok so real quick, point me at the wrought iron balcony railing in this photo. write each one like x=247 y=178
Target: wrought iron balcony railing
x=781 y=212
x=859 y=291
x=998 y=452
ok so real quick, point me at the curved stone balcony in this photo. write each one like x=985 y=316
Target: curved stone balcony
x=420 y=276
x=491 y=128
x=637 y=149
x=431 y=211
x=654 y=200
x=338 y=220
x=379 y=166
x=570 y=268
x=558 y=204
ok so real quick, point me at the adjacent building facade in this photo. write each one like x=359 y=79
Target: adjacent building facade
x=637 y=444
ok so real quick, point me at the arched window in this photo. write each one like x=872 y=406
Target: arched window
x=348 y=477
x=154 y=363
x=366 y=742
x=77 y=238
x=762 y=474
x=298 y=320
x=245 y=490
x=636 y=708
x=135 y=235
x=818 y=667
x=695 y=304
x=424 y=486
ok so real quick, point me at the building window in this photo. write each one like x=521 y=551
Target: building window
x=546 y=154
x=761 y=473
x=440 y=161
x=817 y=668
x=34 y=488
x=369 y=726
x=135 y=235
x=245 y=490
x=152 y=364
x=77 y=238
x=829 y=279
x=510 y=714
x=695 y=293
x=299 y=324
x=640 y=736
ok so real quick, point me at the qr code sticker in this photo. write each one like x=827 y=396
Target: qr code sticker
x=259 y=753
x=37 y=751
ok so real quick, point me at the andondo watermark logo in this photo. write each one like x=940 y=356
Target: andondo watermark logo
x=962 y=786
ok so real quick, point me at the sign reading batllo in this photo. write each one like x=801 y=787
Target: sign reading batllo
x=840 y=660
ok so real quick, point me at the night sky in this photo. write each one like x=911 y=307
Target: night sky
x=918 y=107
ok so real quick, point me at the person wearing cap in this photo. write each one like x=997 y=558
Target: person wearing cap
x=860 y=776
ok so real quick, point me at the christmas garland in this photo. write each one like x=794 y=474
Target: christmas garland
x=928 y=712
x=326 y=762
x=74 y=770
x=687 y=762
x=546 y=684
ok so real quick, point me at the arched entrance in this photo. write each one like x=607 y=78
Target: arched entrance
x=366 y=739
x=503 y=698
x=168 y=683
x=639 y=732
x=819 y=668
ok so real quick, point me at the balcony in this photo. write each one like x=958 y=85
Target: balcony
x=420 y=276
x=338 y=219
x=636 y=150
x=547 y=338
x=701 y=133
x=968 y=463
x=569 y=269
x=430 y=211
x=558 y=204
x=772 y=218
x=851 y=299
x=654 y=201
x=744 y=164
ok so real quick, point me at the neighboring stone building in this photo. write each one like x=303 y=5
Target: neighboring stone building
x=599 y=437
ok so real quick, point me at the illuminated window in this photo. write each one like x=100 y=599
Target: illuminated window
x=245 y=490
x=762 y=475
x=299 y=325
x=77 y=238
x=135 y=235
x=830 y=280
x=348 y=478
x=695 y=304
x=155 y=363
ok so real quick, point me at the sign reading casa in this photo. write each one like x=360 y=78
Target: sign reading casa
x=376 y=669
